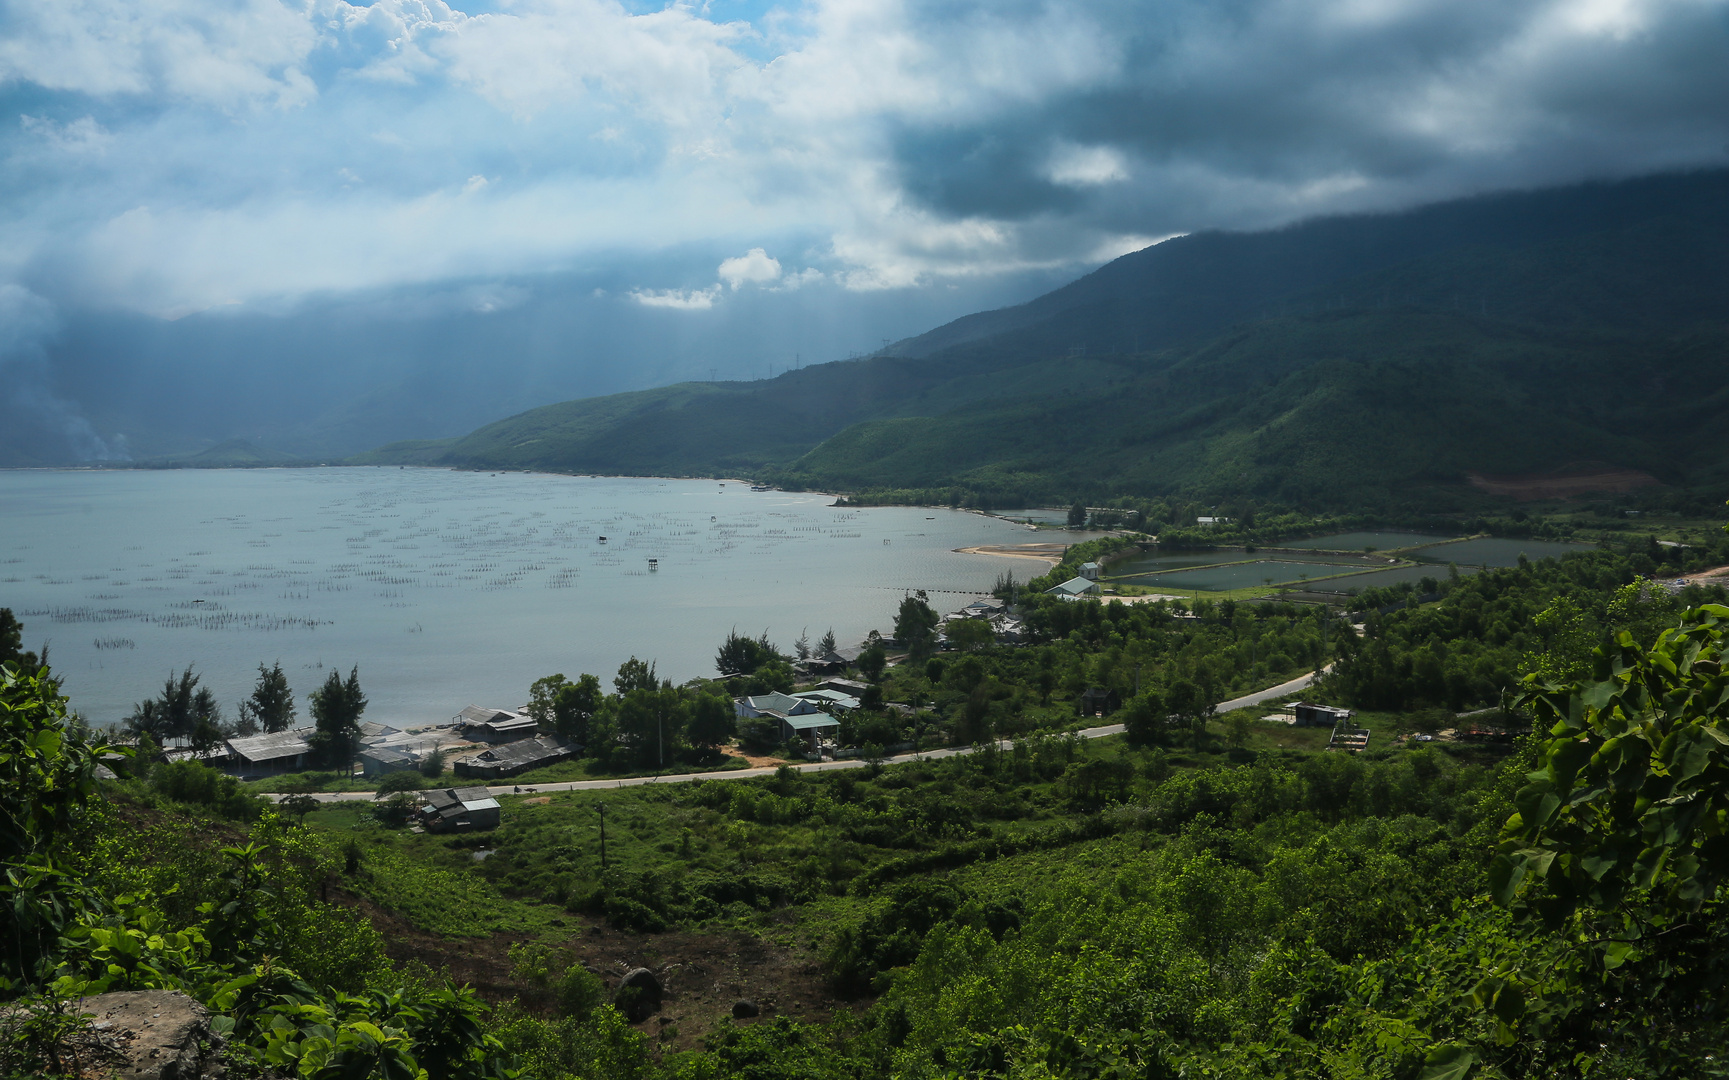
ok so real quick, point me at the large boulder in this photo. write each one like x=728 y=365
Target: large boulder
x=155 y=1035
x=744 y=1009
x=638 y=995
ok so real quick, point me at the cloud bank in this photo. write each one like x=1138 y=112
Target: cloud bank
x=177 y=157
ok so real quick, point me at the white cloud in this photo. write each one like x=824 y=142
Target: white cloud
x=185 y=50
x=1084 y=166
x=203 y=153
x=754 y=266
x=677 y=299
x=81 y=136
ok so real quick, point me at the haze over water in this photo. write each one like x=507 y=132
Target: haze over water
x=447 y=588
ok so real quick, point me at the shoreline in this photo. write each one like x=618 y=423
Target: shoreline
x=1045 y=552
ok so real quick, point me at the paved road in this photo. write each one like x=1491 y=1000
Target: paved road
x=1271 y=692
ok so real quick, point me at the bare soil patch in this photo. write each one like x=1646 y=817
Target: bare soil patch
x=756 y=761
x=702 y=973
x=1564 y=483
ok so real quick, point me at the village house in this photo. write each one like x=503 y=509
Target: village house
x=458 y=809
x=269 y=755
x=850 y=687
x=494 y=725
x=371 y=733
x=801 y=716
x=772 y=704
x=829 y=700
x=376 y=761
x=515 y=758
x=1075 y=588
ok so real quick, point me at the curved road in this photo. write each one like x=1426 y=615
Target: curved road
x=1291 y=687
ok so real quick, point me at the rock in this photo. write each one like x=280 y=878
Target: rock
x=743 y=1008
x=157 y=1034
x=638 y=996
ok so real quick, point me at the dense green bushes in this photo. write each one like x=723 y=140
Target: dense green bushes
x=1491 y=627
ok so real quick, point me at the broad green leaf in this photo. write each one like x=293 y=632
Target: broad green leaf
x=1447 y=1062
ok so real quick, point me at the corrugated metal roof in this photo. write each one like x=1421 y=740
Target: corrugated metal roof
x=277 y=744
x=805 y=723
x=1076 y=586
x=387 y=755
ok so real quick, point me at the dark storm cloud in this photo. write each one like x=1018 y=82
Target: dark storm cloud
x=1247 y=113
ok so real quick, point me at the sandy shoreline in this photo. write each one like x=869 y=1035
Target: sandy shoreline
x=1048 y=553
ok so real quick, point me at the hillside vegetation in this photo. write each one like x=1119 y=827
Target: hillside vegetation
x=1374 y=361
x=1201 y=897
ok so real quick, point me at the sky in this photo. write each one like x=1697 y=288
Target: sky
x=287 y=209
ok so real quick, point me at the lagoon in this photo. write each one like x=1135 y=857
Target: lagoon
x=447 y=588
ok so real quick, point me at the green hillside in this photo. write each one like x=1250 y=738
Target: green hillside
x=1579 y=326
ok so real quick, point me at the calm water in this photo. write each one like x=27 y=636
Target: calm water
x=1243 y=575
x=1357 y=541
x=446 y=587
x=1396 y=576
x=1498 y=551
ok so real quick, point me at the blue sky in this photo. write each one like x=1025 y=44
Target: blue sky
x=860 y=167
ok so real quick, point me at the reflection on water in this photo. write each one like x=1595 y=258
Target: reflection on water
x=446 y=587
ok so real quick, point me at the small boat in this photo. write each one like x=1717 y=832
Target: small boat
x=654 y=564
x=603 y=539
x=761 y=487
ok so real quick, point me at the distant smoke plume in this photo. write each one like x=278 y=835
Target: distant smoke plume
x=40 y=426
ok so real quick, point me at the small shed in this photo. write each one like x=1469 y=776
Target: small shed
x=1308 y=715
x=515 y=758
x=1090 y=571
x=269 y=755
x=376 y=761
x=811 y=728
x=1099 y=701
x=458 y=809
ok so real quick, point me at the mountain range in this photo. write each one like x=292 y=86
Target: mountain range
x=1422 y=358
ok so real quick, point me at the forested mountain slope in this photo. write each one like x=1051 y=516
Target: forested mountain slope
x=1359 y=361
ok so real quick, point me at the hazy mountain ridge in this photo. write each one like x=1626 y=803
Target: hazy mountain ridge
x=1528 y=331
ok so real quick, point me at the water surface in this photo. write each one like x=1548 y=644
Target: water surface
x=447 y=588
x=1496 y=551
